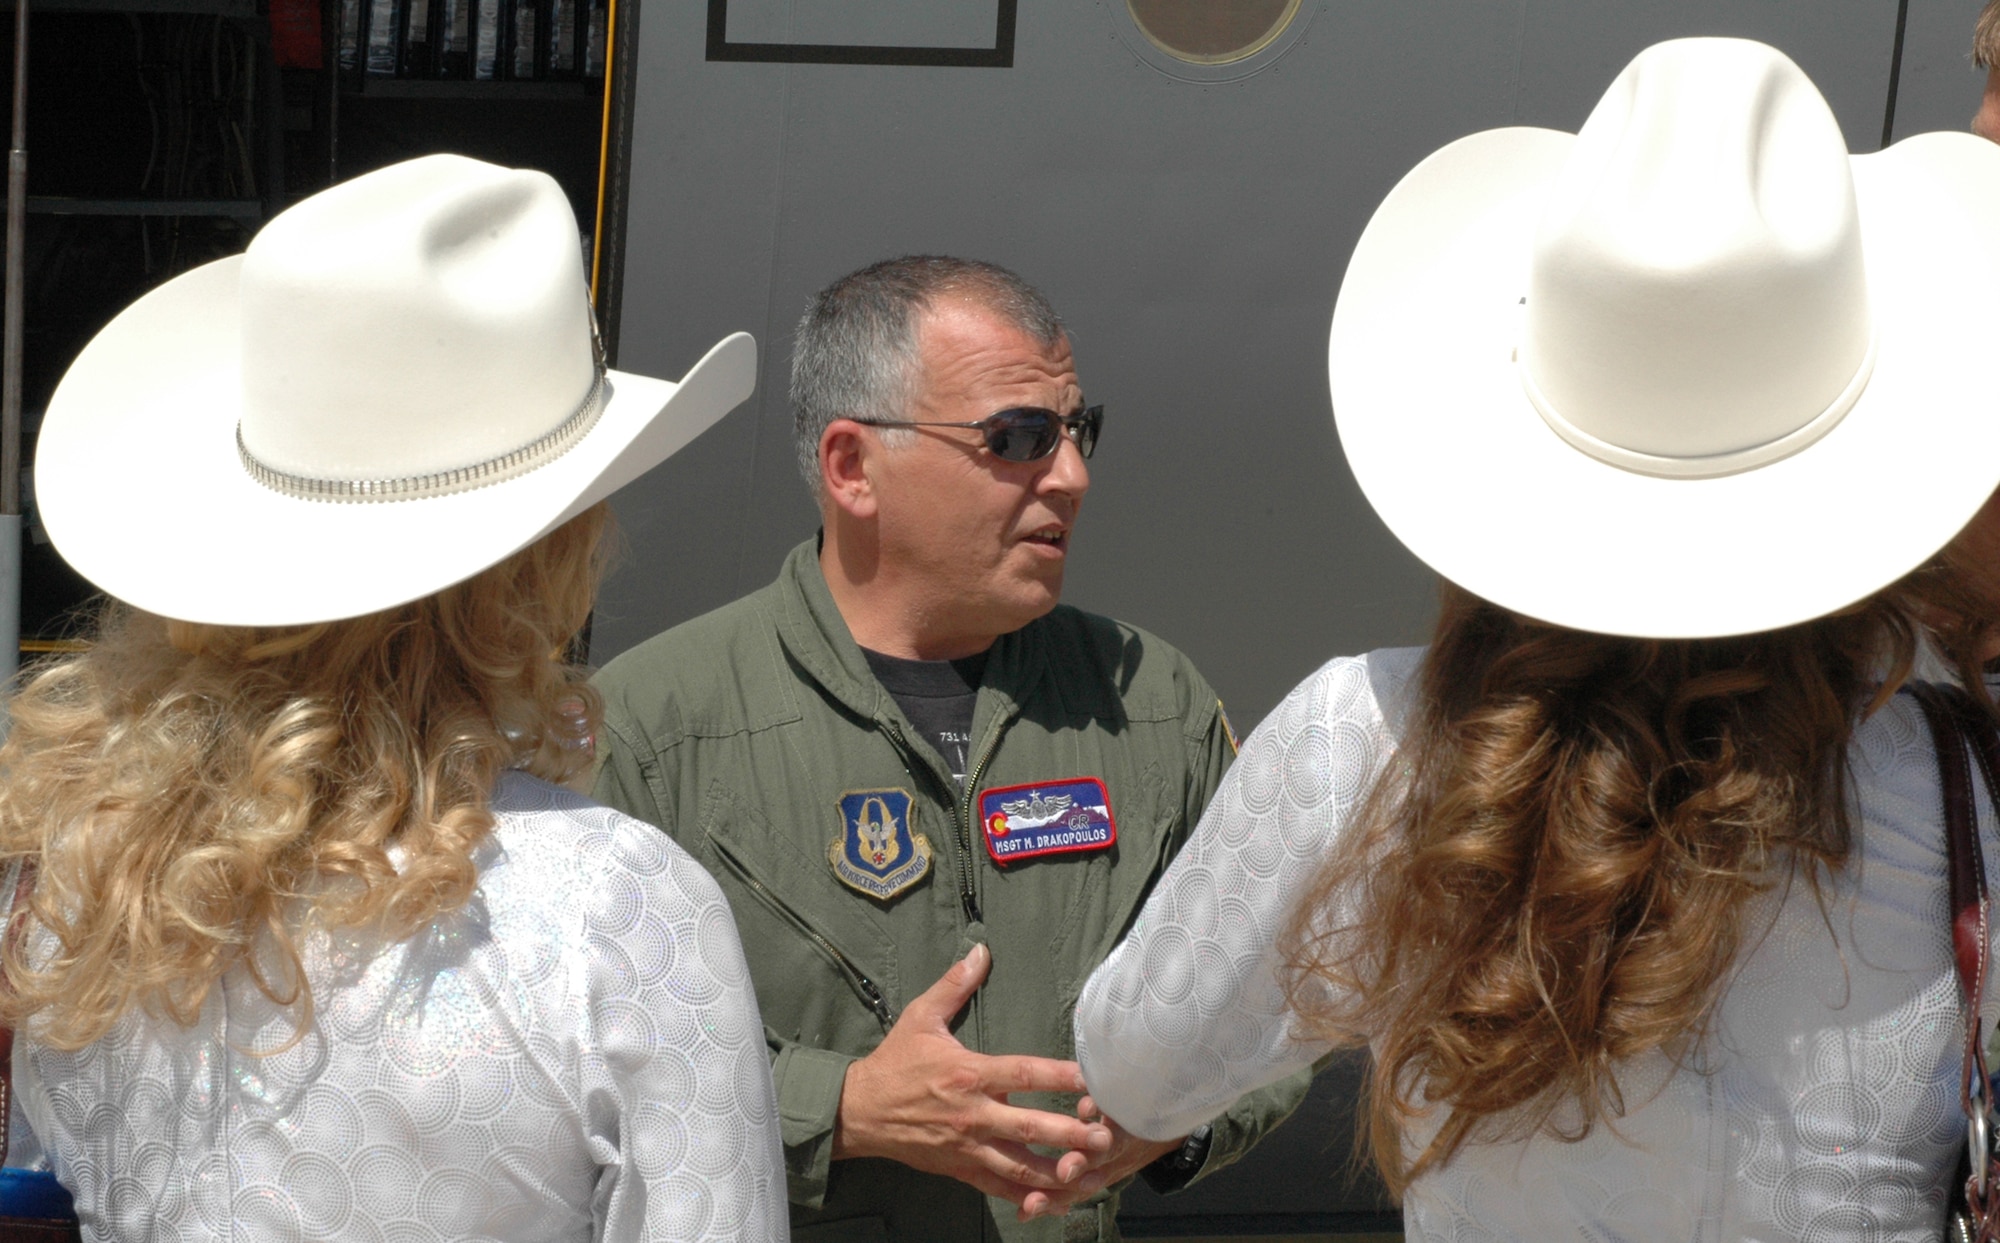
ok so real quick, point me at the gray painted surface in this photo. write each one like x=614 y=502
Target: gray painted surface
x=935 y=23
x=1192 y=225
x=1940 y=87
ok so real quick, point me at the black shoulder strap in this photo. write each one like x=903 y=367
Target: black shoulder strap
x=1956 y=724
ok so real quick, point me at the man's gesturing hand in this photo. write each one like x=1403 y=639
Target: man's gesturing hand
x=924 y=1099
x=1091 y=1172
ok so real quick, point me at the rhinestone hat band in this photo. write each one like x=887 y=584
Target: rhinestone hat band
x=520 y=461
x=460 y=479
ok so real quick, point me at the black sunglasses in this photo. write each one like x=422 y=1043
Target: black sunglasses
x=1024 y=433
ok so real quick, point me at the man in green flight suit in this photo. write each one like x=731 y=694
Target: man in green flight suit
x=934 y=797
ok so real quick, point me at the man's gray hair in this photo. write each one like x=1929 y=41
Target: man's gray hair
x=855 y=354
x=1986 y=37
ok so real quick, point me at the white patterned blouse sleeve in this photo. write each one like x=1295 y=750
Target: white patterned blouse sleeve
x=1188 y=1013
x=677 y=1086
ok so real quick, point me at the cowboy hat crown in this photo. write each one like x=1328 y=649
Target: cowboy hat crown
x=429 y=317
x=396 y=387
x=1692 y=371
x=1697 y=301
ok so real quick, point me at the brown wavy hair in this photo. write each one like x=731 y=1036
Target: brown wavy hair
x=191 y=795
x=1554 y=875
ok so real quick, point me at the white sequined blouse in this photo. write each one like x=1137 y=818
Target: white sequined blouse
x=1823 y=1107
x=574 y=1055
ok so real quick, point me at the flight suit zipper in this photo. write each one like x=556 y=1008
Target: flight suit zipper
x=968 y=897
x=863 y=987
x=965 y=819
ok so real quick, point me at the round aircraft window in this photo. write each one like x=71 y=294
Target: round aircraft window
x=1212 y=32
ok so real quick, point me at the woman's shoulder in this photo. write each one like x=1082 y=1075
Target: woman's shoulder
x=553 y=847
x=1382 y=677
x=1371 y=692
x=1892 y=745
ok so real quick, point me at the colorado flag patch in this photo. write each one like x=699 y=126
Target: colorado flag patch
x=1046 y=818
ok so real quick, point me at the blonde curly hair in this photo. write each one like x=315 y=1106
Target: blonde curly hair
x=192 y=795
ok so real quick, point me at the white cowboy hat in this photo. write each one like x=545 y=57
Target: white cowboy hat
x=397 y=385
x=1692 y=371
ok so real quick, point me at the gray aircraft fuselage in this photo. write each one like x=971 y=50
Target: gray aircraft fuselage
x=1191 y=222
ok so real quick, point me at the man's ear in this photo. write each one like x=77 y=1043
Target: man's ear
x=846 y=453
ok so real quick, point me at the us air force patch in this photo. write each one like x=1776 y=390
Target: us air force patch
x=876 y=852
x=1046 y=818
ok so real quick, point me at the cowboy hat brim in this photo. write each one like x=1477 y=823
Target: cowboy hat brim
x=173 y=523
x=1456 y=460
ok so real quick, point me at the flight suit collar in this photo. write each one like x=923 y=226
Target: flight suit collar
x=816 y=636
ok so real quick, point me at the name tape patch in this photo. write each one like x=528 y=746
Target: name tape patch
x=1046 y=818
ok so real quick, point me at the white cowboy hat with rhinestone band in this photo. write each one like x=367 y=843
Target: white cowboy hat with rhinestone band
x=1692 y=371
x=397 y=385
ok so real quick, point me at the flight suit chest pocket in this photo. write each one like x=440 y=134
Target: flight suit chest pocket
x=813 y=949
x=1086 y=895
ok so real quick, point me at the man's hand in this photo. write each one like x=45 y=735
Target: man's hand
x=1086 y=1173
x=924 y=1099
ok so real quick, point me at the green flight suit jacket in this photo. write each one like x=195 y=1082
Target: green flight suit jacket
x=740 y=732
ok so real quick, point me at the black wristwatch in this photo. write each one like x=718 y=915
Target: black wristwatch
x=1177 y=1169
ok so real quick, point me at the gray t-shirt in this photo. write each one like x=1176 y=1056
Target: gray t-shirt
x=937 y=696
